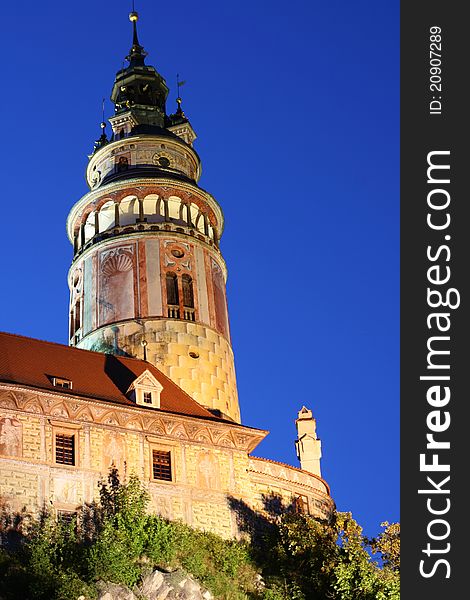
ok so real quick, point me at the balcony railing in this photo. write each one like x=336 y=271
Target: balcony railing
x=174 y=311
x=189 y=314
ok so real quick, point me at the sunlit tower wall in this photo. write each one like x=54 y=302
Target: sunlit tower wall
x=148 y=279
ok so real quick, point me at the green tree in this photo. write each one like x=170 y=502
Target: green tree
x=327 y=559
x=387 y=543
x=121 y=537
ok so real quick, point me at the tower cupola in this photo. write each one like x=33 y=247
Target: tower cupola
x=139 y=89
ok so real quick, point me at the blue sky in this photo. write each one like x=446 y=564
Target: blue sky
x=296 y=110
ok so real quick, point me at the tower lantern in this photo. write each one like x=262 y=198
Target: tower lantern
x=147 y=273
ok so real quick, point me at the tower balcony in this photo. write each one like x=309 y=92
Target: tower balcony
x=144 y=205
x=142 y=228
x=144 y=215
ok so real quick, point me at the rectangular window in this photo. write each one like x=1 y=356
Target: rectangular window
x=161 y=463
x=148 y=397
x=64 y=449
x=63 y=383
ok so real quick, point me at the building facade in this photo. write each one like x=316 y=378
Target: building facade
x=148 y=382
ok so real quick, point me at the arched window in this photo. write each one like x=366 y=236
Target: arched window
x=188 y=296
x=172 y=289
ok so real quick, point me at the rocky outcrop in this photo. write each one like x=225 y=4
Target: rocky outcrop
x=158 y=585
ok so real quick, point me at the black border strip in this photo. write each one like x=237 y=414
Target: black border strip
x=434 y=134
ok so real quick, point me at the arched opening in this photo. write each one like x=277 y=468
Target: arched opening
x=174 y=209
x=194 y=212
x=153 y=209
x=106 y=216
x=89 y=227
x=128 y=211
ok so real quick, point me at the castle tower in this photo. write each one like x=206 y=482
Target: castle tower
x=148 y=278
x=307 y=445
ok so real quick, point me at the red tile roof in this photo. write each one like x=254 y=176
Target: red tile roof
x=94 y=375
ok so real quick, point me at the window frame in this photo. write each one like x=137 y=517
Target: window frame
x=70 y=429
x=159 y=446
x=172 y=289
x=63 y=448
x=59 y=382
x=302 y=504
x=171 y=466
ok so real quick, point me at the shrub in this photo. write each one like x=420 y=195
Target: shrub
x=300 y=558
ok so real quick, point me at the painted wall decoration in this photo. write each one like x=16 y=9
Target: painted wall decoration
x=208 y=471
x=219 y=299
x=114 y=451
x=65 y=490
x=11 y=437
x=162 y=506
x=116 y=295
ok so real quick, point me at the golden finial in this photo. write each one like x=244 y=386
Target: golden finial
x=133 y=16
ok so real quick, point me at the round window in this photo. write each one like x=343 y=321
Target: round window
x=163 y=161
x=177 y=253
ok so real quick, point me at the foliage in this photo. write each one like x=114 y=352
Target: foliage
x=299 y=557
x=46 y=565
x=387 y=544
x=318 y=559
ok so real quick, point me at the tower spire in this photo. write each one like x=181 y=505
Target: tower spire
x=137 y=53
x=139 y=89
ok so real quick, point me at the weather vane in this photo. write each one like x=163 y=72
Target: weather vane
x=178 y=85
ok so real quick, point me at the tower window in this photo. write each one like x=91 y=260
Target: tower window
x=122 y=164
x=77 y=315
x=164 y=162
x=188 y=296
x=64 y=449
x=161 y=465
x=180 y=297
x=148 y=397
x=172 y=296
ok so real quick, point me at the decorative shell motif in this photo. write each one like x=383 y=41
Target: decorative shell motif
x=116 y=263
